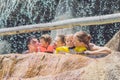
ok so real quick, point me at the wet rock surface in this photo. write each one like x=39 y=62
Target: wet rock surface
x=44 y=66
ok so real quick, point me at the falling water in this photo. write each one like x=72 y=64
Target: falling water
x=67 y=9
x=101 y=34
x=25 y=12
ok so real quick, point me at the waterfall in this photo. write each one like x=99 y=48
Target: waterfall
x=67 y=9
x=25 y=12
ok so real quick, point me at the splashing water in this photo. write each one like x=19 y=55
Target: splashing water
x=101 y=34
x=67 y=9
x=25 y=12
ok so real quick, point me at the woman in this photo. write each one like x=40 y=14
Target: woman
x=83 y=39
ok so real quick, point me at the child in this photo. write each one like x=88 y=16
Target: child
x=59 y=41
x=64 y=44
x=45 y=41
x=32 y=45
x=60 y=45
x=69 y=43
x=69 y=40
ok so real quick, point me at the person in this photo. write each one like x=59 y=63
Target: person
x=64 y=44
x=45 y=41
x=32 y=45
x=60 y=44
x=69 y=43
x=59 y=41
x=80 y=47
x=82 y=39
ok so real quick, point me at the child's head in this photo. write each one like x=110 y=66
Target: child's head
x=81 y=39
x=45 y=40
x=69 y=40
x=60 y=40
x=32 y=40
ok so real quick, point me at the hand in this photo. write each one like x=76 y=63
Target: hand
x=87 y=52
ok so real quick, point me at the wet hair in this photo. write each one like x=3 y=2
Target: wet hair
x=30 y=38
x=83 y=37
x=69 y=35
x=47 y=38
x=62 y=38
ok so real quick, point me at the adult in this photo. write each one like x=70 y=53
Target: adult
x=82 y=38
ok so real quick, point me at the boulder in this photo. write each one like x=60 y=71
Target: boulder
x=114 y=43
x=45 y=66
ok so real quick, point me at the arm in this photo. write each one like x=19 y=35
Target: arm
x=94 y=49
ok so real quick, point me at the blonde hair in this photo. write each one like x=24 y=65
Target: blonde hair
x=47 y=38
x=83 y=37
x=62 y=38
x=69 y=35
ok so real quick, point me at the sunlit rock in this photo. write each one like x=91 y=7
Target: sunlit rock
x=44 y=66
x=25 y=12
x=114 y=43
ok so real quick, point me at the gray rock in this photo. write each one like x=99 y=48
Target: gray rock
x=114 y=43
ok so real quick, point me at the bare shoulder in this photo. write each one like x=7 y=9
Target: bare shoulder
x=93 y=46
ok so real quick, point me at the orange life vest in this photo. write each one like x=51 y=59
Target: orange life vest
x=49 y=49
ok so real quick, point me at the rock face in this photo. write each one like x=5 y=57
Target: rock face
x=41 y=64
x=26 y=12
x=114 y=43
x=44 y=66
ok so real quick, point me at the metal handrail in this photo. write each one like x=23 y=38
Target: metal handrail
x=69 y=23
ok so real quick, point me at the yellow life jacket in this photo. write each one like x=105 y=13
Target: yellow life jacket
x=65 y=49
x=62 y=49
x=80 y=49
